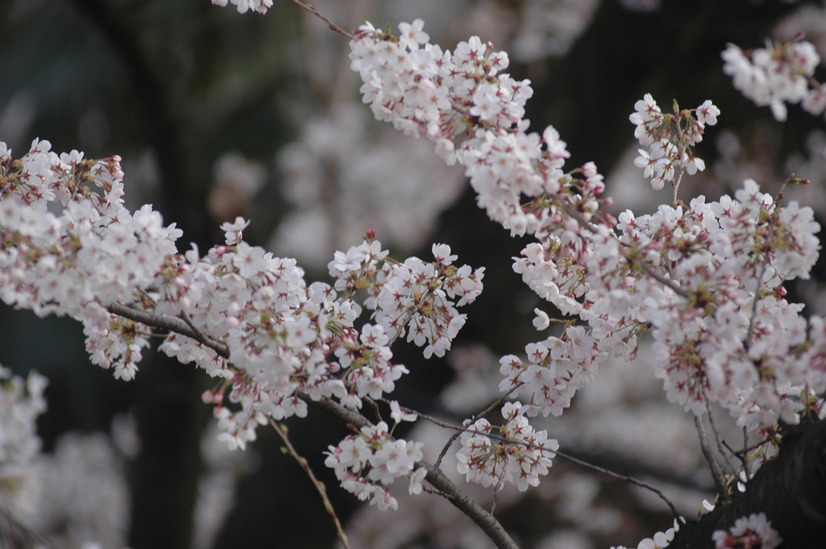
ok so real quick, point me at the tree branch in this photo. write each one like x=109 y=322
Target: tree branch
x=177 y=325
x=16 y=534
x=563 y=454
x=281 y=430
x=486 y=521
x=716 y=471
x=790 y=490
x=312 y=9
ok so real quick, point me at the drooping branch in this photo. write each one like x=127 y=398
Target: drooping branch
x=486 y=521
x=563 y=454
x=281 y=430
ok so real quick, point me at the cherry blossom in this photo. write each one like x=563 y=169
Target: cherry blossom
x=687 y=275
x=281 y=334
x=259 y=6
x=518 y=454
x=775 y=75
x=670 y=138
x=705 y=280
x=413 y=298
x=660 y=540
x=77 y=489
x=368 y=462
x=398 y=414
x=751 y=531
x=21 y=402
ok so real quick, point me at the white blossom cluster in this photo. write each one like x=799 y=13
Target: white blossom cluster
x=754 y=530
x=778 y=74
x=571 y=500
x=243 y=6
x=90 y=254
x=368 y=462
x=21 y=402
x=77 y=493
x=555 y=369
x=68 y=246
x=414 y=298
x=707 y=280
x=724 y=343
x=473 y=112
x=285 y=336
x=432 y=92
x=517 y=455
x=669 y=138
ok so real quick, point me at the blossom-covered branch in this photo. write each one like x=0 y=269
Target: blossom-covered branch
x=705 y=279
x=713 y=252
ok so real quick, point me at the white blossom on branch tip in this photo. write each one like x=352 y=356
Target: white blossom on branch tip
x=514 y=454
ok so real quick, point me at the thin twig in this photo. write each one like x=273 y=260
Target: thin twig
x=564 y=455
x=626 y=478
x=500 y=485
x=676 y=185
x=319 y=486
x=716 y=471
x=680 y=291
x=487 y=522
x=17 y=532
x=312 y=9
x=495 y=404
x=717 y=438
x=754 y=301
x=373 y=405
x=173 y=324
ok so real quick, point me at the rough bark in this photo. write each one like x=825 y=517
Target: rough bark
x=790 y=490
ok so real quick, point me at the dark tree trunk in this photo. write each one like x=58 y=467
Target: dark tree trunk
x=790 y=490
